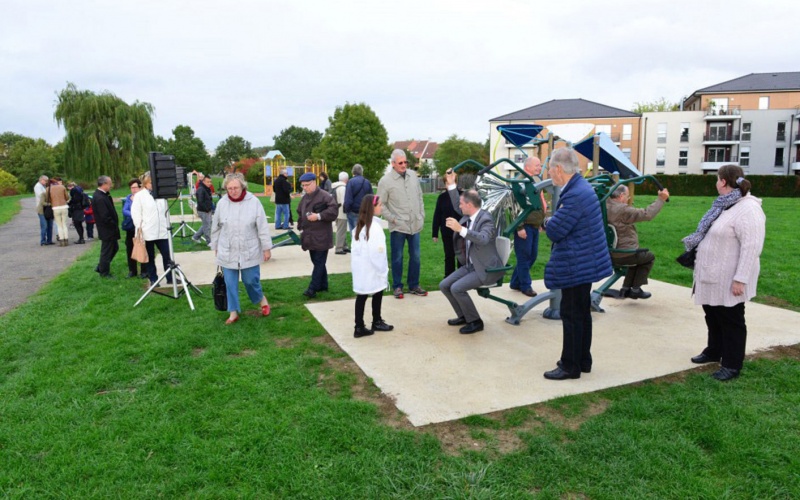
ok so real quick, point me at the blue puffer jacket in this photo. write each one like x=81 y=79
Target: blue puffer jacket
x=580 y=252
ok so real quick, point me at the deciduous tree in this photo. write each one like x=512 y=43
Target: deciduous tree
x=455 y=150
x=355 y=134
x=660 y=104
x=189 y=151
x=105 y=135
x=231 y=150
x=28 y=159
x=297 y=143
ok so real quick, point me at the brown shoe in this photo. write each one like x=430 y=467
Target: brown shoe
x=529 y=292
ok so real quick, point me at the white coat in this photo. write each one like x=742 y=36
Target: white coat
x=240 y=233
x=368 y=261
x=151 y=215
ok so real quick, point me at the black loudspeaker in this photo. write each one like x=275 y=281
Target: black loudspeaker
x=163 y=173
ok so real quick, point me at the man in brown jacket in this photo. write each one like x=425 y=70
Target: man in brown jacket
x=623 y=216
x=316 y=212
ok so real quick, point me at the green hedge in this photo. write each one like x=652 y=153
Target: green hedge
x=764 y=186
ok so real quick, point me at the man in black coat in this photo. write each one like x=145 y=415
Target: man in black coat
x=283 y=201
x=107 y=221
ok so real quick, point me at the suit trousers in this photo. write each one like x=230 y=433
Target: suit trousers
x=727 y=334
x=641 y=263
x=319 y=276
x=108 y=249
x=576 y=318
x=456 y=287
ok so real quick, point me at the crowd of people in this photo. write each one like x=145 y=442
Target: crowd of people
x=727 y=244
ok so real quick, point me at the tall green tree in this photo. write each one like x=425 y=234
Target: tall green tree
x=188 y=150
x=105 y=135
x=28 y=159
x=455 y=150
x=355 y=134
x=660 y=104
x=7 y=141
x=231 y=150
x=297 y=143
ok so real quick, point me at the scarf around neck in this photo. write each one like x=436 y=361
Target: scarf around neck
x=240 y=198
x=722 y=203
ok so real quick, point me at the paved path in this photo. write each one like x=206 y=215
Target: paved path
x=24 y=265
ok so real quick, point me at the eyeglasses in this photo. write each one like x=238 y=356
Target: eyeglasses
x=402 y=163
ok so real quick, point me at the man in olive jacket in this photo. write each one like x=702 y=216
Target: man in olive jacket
x=317 y=212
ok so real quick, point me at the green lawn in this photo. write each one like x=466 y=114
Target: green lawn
x=9 y=206
x=103 y=400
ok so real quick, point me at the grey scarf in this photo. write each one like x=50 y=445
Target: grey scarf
x=721 y=203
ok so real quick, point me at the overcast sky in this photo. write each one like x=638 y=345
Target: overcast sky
x=428 y=68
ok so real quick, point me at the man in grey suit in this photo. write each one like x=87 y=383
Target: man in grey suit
x=474 y=240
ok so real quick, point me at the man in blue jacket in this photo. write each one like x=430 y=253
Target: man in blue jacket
x=579 y=257
x=354 y=192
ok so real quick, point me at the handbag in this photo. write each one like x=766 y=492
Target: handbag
x=219 y=291
x=139 y=252
x=47 y=211
x=686 y=259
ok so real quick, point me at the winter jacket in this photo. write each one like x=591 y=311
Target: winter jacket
x=623 y=216
x=729 y=252
x=402 y=201
x=338 y=190
x=105 y=216
x=204 y=201
x=240 y=233
x=283 y=190
x=127 y=220
x=356 y=189
x=580 y=253
x=368 y=261
x=76 y=206
x=317 y=235
x=151 y=215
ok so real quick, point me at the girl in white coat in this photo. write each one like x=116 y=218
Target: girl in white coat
x=370 y=267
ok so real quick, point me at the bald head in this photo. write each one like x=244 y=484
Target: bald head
x=533 y=166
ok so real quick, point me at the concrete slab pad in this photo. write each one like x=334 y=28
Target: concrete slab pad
x=434 y=374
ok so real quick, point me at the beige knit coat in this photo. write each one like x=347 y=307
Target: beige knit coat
x=730 y=252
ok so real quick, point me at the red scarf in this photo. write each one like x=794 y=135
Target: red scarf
x=244 y=192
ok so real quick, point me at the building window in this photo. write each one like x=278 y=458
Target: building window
x=781 y=131
x=627 y=152
x=662 y=133
x=744 y=156
x=627 y=131
x=716 y=155
x=763 y=102
x=719 y=132
x=519 y=159
x=685 y=132
x=778 y=157
x=746 y=131
x=661 y=157
x=683 y=157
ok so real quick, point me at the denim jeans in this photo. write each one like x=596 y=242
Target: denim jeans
x=45 y=230
x=251 y=277
x=352 y=220
x=398 y=241
x=526 y=250
x=282 y=216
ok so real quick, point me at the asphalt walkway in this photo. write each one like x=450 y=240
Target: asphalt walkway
x=25 y=266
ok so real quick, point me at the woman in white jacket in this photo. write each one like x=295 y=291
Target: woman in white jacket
x=729 y=240
x=241 y=242
x=152 y=216
x=370 y=267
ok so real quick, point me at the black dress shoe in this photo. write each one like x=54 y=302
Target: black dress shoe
x=80 y=242
x=584 y=369
x=382 y=326
x=725 y=374
x=310 y=293
x=471 y=327
x=560 y=374
x=457 y=321
x=131 y=275
x=341 y=253
x=704 y=358
x=529 y=292
x=361 y=331
x=638 y=293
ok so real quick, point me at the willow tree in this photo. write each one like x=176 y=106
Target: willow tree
x=105 y=135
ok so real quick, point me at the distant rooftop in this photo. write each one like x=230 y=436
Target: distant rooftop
x=757 y=82
x=561 y=109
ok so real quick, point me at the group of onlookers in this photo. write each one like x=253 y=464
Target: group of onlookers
x=56 y=203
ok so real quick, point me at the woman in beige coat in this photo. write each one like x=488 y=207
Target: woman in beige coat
x=729 y=240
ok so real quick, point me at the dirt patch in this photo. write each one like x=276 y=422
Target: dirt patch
x=197 y=352
x=245 y=353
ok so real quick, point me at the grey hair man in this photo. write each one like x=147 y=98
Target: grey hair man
x=357 y=188
x=45 y=224
x=401 y=195
x=338 y=190
x=526 y=239
x=283 y=200
x=107 y=222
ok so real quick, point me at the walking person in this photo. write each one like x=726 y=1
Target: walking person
x=128 y=226
x=369 y=265
x=241 y=242
x=317 y=210
x=107 y=220
x=205 y=209
x=729 y=240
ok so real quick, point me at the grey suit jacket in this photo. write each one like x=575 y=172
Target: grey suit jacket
x=483 y=247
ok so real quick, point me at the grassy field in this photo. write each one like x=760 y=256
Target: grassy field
x=9 y=207
x=100 y=400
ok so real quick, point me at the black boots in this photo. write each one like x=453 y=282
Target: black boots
x=361 y=331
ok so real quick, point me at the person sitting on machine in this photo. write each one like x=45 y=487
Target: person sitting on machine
x=623 y=216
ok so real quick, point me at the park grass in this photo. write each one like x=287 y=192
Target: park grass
x=10 y=206
x=101 y=400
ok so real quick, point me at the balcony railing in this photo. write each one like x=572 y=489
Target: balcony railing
x=781 y=136
x=721 y=136
x=684 y=137
x=727 y=158
x=723 y=111
x=797 y=136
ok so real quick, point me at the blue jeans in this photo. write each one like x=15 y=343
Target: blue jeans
x=526 y=251
x=282 y=216
x=45 y=230
x=251 y=277
x=352 y=220
x=398 y=241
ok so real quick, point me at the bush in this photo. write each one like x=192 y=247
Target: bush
x=764 y=186
x=9 y=185
x=255 y=173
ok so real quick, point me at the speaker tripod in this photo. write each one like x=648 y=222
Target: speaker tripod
x=180 y=285
x=183 y=226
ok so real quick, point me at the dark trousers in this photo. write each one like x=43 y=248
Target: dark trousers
x=727 y=334
x=163 y=249
x=361 y=302
x=78 y=223
x=641 y=264
x=319 y=276
x=527 y=250
x=90 y=230
x=129 y=235
x=450 y=260
x=576 y=318
x=108 y=249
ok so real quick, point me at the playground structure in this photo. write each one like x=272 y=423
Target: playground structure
x=509 y=194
